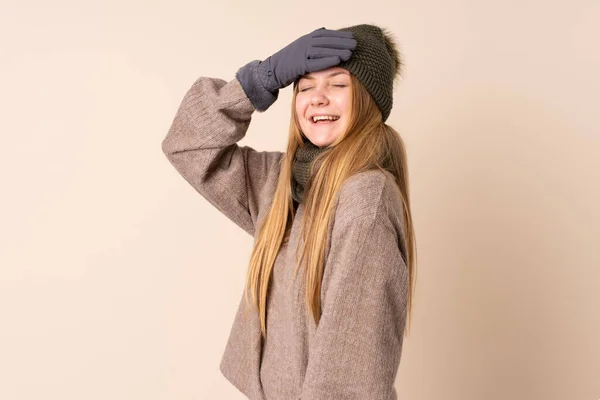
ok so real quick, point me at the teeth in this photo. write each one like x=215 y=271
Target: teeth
x=324 y=117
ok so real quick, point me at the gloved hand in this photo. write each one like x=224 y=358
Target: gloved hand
x=320 y=49
x=315 y=51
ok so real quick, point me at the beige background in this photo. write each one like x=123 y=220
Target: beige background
x=118 y=281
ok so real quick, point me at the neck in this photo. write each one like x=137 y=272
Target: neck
x=301 y=169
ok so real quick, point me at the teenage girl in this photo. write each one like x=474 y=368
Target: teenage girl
x=331 y=274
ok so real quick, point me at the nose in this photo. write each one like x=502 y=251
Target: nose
x=319 y=97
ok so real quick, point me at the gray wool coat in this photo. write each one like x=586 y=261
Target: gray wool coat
x=355 y=351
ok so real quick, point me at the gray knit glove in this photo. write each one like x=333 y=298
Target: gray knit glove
x=315 y=51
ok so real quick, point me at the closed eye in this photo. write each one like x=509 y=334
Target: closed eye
x=305 y=89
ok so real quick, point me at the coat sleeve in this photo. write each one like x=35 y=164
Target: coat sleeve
x=357 y=345
x=202 y=146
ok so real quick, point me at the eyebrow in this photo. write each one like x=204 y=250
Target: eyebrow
x=330 y=75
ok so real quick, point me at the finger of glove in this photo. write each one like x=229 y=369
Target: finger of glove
x=319 y=64
x=322 y=52
x=334 y=42
x=322 y=32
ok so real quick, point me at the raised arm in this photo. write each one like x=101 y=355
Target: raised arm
x=214 y=115
x=202 y=146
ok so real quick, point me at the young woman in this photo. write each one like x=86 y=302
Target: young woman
x=331 y=273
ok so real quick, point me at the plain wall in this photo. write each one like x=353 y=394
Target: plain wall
x=119 y=281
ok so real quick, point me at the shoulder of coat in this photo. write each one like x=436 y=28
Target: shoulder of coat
x=369 y=194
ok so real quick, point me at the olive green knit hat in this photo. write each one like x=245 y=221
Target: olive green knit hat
x=375 y=62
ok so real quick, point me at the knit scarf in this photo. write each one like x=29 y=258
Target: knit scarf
x=303 y=160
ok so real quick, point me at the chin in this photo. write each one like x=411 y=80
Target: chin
x=322 y=142
x=321 y=139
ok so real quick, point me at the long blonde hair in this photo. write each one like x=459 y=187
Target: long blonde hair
x=343 y=158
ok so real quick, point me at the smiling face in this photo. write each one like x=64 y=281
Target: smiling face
x=324 y=93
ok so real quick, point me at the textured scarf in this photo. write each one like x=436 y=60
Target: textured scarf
x=303 y=160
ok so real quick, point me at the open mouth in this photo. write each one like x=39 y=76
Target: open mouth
x=324 y=120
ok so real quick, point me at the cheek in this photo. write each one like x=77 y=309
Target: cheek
x=343 y=104
x=347 y=103
x=300 y=102
x=300 y=108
